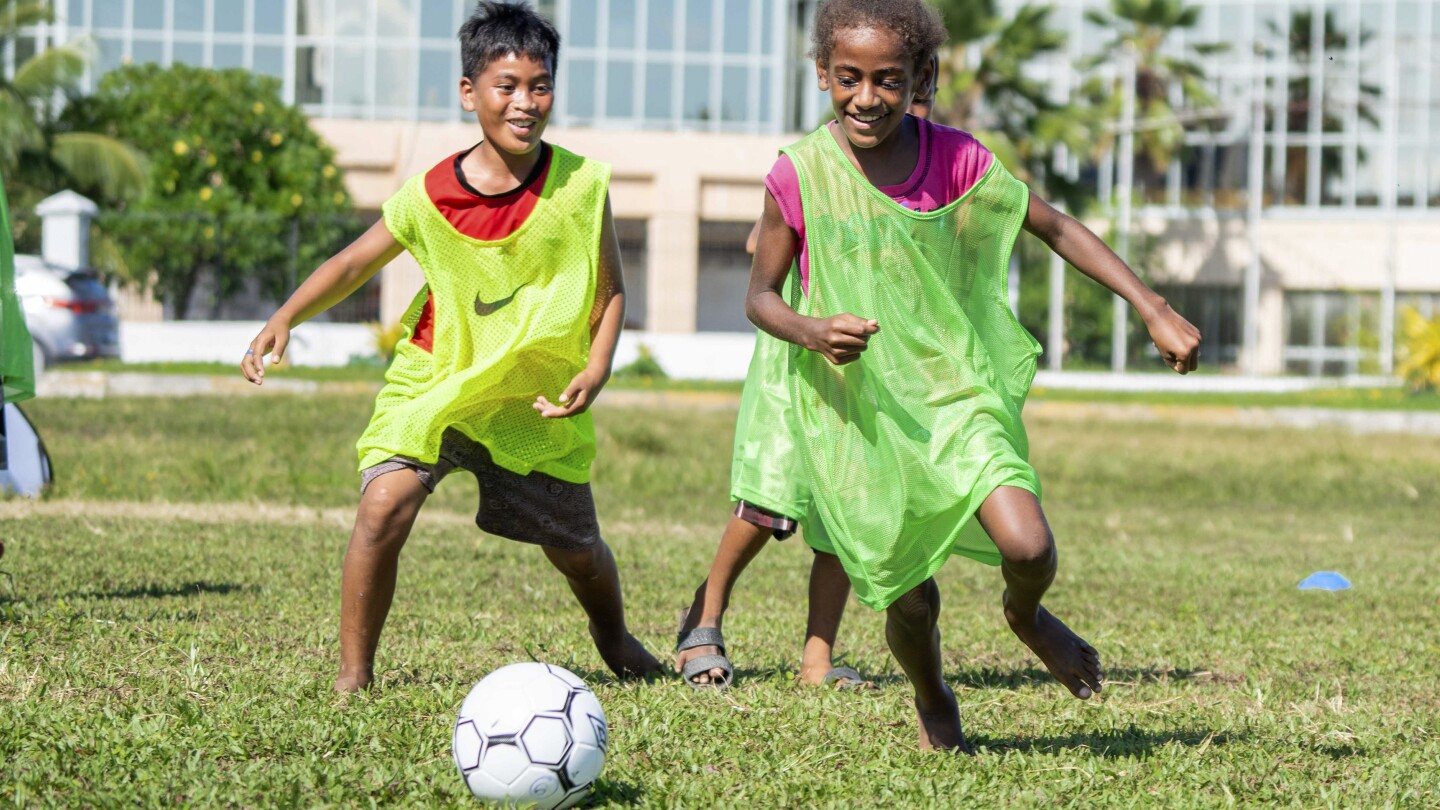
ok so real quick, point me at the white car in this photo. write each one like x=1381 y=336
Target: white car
x=69 y=312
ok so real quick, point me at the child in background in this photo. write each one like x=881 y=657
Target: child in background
x=524 y=300
x=768 y=486
x=909 y=371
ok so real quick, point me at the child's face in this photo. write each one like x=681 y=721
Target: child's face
x=871 y=81
x=511 y=98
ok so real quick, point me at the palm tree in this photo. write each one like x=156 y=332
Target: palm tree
x=983 y=89
x=1142 y=27
x=1297 y=115
x=39 y=155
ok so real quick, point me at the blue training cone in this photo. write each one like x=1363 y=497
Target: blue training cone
x=1325 y=581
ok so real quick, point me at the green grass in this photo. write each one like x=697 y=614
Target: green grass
x=169 y=636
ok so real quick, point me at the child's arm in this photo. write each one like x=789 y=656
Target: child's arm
x=331 y=282
x=580 y=394
x=841 y=338
x=1177 y=340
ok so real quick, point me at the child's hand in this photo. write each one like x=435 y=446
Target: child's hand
x=272 y=339
x=576 y=398
x=1176 y=338
x=841 y=338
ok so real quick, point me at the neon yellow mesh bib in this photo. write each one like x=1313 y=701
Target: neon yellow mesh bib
x=512 y=321
x=902 y=446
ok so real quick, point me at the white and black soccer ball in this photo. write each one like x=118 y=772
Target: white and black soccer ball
x=531 y=735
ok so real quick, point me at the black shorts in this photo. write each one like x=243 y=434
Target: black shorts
x=535 y=508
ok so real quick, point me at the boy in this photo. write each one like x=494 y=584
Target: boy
x=523 y=298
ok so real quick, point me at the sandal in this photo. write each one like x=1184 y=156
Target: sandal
x=704 y=637
x=846 y=678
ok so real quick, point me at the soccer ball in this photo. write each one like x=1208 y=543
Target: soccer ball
x=530 y=735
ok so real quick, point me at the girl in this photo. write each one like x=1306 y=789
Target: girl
x=768 y=486
x=908 y=371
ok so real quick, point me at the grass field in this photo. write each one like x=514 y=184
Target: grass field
x=168 y=637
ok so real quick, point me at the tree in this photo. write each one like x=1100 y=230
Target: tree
x=1332 y=114
x=1143 y=27
x=234 y=175
x=39 y=154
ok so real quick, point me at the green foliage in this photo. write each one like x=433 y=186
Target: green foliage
x=643 y=367
x=235 y=177
x=1143 y=27
x=40 y=154
x=386 y=339
x=170 y=634
x=1420 y=362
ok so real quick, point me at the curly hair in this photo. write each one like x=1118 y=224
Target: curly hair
x=917 y=22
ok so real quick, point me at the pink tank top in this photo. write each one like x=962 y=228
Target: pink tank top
x=951 y=161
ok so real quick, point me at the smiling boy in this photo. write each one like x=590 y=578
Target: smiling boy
x=523 y=300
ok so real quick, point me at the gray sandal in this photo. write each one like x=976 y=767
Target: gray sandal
x=846 y=678
x=704 y=637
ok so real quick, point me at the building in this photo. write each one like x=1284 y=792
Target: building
x=690 y=99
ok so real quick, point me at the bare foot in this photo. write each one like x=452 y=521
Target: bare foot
x=685 y=656
x=940 y=729
x=843 y=677
x=1072 y=661
x=625 y=655
x=350 y=684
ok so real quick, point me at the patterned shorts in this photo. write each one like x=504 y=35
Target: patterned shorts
x=535 y=508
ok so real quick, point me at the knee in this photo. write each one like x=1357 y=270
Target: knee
x=581 y=565
x=918 y=609
x=384 y=516
x=1032 y=550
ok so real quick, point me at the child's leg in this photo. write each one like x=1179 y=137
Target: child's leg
x=911 y=628
x=1014 y=520
x=387 y=511
x=596 y=584
x=829 y=588
x=739 y=544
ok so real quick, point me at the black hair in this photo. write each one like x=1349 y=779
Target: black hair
x=917 y=22
x=498 y=29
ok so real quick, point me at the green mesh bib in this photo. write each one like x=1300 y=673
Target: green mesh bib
x=903 y=445
x=512 y=320
x=17 y=372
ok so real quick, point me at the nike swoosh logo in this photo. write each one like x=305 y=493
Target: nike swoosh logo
x=483 y=308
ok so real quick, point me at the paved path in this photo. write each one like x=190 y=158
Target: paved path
x=99 y=384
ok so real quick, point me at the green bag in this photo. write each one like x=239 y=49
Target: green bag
x=17 y=362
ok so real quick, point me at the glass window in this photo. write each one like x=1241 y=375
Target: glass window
x=437 y=19
x=310 y=74
x=735 y=94
x=77 y=13
x=352 y=19
x=659 y=88
x=1332 y=175
x=147 y=51
x=623 y=23
x=230 y=16
x=149 y=15
x=228 y=56
x=394 y=77
x=189 y=15
x=695 y=104
x=737 y=26
x=439 y=77
x=697 y=25
x=1368 y=171
x=767 y=79
x=620 y=89
x=109 y=14
x=583 y=23
x=188 y=53
x=270 y=60
x=580 y=95
x=660 y=25
x=269 y=16
x=350 y=74
x=310 y=18
x=112 y=53
x=397 y=20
